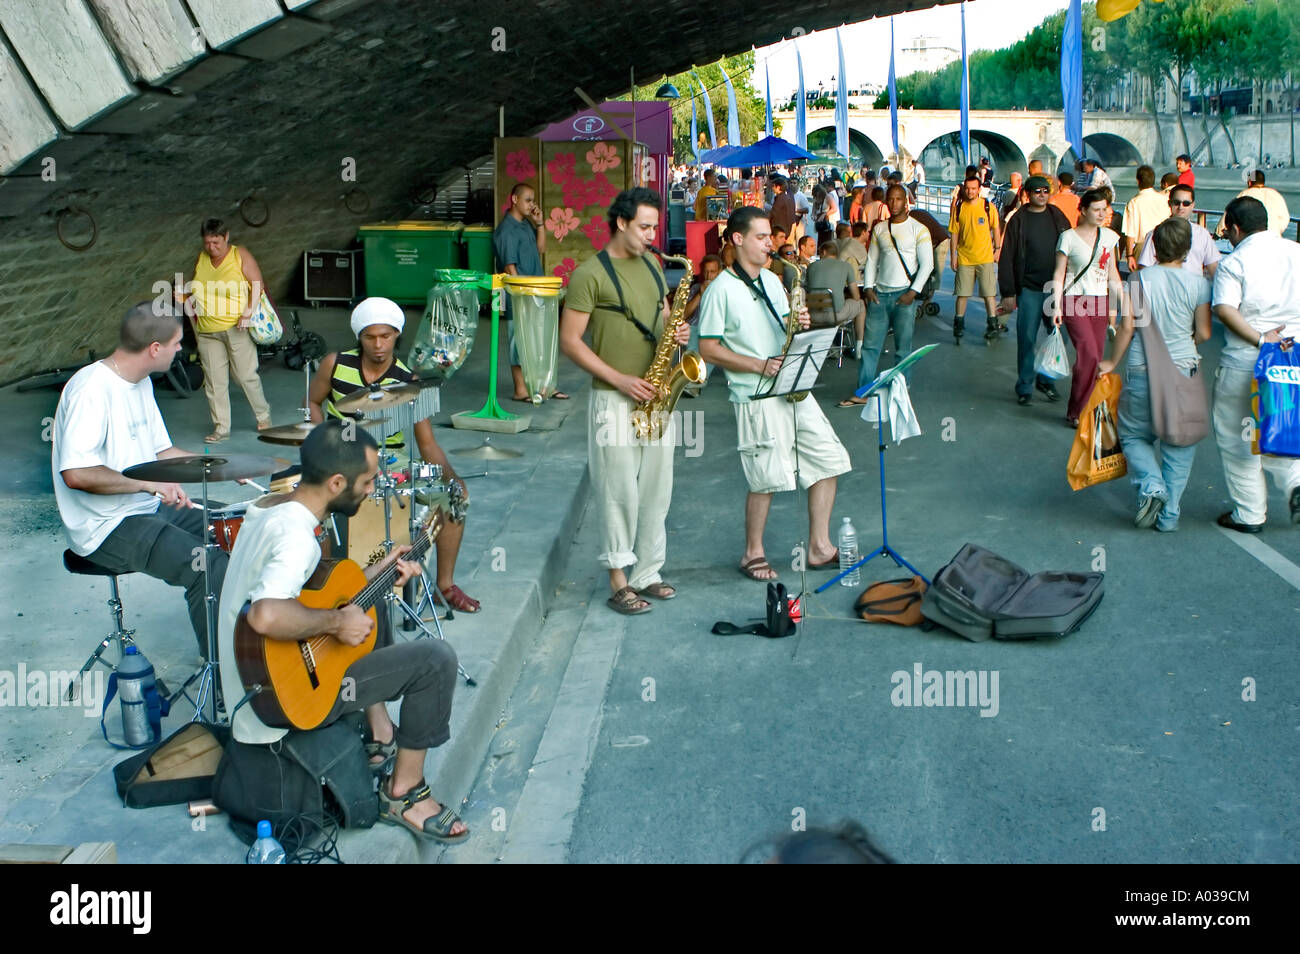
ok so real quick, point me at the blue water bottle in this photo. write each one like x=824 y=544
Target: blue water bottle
x=135 y=682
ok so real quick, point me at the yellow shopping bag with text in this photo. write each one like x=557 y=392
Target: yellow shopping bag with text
x=1095 y=456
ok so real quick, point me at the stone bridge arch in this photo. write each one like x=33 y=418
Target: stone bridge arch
x=944 y=153
x=1108 y=149
x=863 y=150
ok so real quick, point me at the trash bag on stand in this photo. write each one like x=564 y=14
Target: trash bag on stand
x=446 y=333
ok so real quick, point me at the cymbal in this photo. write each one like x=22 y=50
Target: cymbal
x=377 y=397
x=294 y=434
x=486 y=451
x=182 y=470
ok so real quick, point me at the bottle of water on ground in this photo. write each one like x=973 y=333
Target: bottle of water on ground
x=848 y=544
x=266 y=850
x=135 y=679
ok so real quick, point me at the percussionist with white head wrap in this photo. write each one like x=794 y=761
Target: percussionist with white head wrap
x=378 y=324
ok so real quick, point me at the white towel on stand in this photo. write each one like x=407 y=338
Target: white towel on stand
x=902 y=417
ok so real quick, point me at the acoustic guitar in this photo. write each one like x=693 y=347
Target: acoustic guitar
x=300 y=679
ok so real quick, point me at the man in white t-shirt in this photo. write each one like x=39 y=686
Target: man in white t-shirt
x=1257 y=297
x=900 y=257
x=743 y=319
x=106 y=422
x=273 y=559
x=1143 y=213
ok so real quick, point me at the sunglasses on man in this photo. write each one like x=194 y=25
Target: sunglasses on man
x=1183 y=203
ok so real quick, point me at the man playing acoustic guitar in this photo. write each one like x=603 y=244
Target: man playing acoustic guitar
x=275 y=555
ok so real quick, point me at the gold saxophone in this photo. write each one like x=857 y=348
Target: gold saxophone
x=651 y=417
x=798 y=300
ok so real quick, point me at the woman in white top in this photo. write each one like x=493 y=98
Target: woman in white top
x=1177 y=302
x=1086 y=293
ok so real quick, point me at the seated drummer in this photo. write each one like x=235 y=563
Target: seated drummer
x=377 y=323
x=106 y=422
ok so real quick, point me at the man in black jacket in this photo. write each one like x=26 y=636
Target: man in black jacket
x=1026 y=267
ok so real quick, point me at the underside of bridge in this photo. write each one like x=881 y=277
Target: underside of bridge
x=405 y=90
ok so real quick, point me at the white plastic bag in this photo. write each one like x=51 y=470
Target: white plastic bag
x=1050 y=359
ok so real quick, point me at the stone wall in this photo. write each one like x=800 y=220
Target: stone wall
x=407 y=89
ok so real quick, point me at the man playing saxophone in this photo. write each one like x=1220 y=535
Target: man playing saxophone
x=622 y=294
x=744 y=322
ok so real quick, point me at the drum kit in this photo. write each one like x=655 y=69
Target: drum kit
x=222 y=526
x=370 y=539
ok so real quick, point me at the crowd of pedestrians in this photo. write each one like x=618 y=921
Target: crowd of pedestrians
x=1058 y=258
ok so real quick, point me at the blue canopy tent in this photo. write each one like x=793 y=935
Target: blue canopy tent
x=722 y=156
x=768 y=152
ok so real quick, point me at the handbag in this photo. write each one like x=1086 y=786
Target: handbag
x=1275 y=399
x=265 y=327
x=892 y=601
x=1180 y=413
x=1095 y=455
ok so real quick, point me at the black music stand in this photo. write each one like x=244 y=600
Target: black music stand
x=875 y=389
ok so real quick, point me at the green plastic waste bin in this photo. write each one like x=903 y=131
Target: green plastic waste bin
x=479 y=255
x=401 y=257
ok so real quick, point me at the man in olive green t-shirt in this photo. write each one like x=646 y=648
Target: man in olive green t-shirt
x=621 y=294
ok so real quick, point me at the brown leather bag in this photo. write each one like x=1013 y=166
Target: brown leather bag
x=892 y=601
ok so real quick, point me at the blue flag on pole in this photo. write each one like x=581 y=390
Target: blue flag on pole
x=841 y=103
x=965 y=91
x=708 y=111
x=801 y=108
x=893 y=95
x=1072 y=75
x=767 y=77
x=695 y=135
x=733 y=117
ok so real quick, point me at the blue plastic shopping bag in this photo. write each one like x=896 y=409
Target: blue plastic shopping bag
x=1275 y=399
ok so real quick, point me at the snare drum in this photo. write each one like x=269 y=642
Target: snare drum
x=226 y=523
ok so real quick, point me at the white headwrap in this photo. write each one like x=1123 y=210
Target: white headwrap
x=377 y=311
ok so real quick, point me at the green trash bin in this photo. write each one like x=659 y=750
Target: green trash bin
x=479 y=256
x=401 y=257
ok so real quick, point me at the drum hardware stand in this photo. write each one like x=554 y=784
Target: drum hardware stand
x=412 y=619
x=209 y=672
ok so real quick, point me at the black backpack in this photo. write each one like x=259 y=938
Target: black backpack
x=320 y=776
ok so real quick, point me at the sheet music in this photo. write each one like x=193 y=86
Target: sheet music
x=796 y=374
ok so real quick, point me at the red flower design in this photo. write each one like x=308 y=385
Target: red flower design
x=564 y=270
x=603 y=191
x=575 y=193
x=561 y=167
x=597 y=232
x=519 y=165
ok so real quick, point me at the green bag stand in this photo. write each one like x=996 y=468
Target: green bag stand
x=492 y=416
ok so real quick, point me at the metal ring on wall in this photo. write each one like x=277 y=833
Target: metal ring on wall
x=252 y=202
x=425 y=194
x=356 y=201
x=58 y=227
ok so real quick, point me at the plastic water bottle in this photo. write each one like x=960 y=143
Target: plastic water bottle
x=135 y=679
x=848 y=544
x=266 y=850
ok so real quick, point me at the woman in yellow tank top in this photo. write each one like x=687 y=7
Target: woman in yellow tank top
x=225 y=290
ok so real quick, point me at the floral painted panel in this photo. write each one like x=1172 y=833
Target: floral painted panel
x=579 y=182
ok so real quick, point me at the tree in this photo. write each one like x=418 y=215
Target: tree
x=1145 y=51
x=750 y=105
x=1265 y=53
x=1223 y=26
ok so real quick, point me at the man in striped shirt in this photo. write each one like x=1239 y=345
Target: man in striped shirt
x=377 y=323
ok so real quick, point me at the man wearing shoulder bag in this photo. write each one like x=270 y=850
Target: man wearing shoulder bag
x=900 y=258
x=1024 y=271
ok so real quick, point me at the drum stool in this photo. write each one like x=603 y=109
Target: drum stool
x=124 y=637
